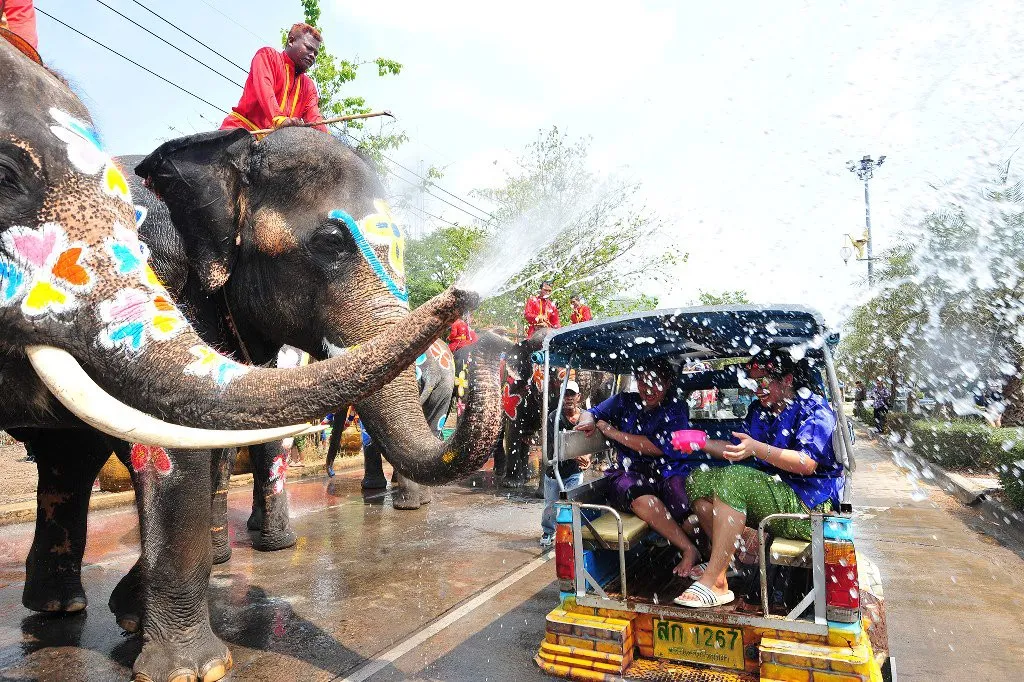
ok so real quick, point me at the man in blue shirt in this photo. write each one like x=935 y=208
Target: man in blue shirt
x=649 y=475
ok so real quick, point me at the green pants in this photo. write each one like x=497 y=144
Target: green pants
x=755 y=493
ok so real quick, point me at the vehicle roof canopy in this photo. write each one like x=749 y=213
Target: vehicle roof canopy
x=621 y=344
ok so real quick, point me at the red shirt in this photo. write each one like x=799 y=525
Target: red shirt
x=540 y=312
x=21 y=19
x=580 y=314
x=460 y=336
x=271 y=92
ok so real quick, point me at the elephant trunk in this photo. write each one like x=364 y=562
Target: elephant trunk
x=395 y=420
x=185 y=382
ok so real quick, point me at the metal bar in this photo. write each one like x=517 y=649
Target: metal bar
x=799 y=608
x=577 y=551
x=762 y=553
x=544 y=407
x=593 y=531
x=850 y=463
x=593 y=583
x=622 y=543
x=818 y=565
x=557 y=458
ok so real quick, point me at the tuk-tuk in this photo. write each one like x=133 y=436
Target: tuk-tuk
x=813 y=611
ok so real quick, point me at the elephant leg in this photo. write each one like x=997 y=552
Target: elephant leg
x=126 y=601
x=173 y=495
x=222 y=462
x=373 y=468
x=270 y=498
x=68 y=461
x=406 y=493
x=517 y=461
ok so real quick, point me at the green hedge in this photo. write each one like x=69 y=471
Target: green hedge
x=1010 y=444
x=955 y=444
x=970 y=444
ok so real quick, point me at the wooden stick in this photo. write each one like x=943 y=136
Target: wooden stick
x=336 y=119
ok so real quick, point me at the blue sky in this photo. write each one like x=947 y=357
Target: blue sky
x=738 y=118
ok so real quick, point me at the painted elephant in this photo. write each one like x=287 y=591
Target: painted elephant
x=90 y=338
x=250 y=235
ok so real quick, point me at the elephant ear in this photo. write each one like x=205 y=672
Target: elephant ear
x=202 y=179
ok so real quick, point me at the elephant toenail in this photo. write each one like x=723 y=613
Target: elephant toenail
x=75 y=605
x=216 y=669
x=52 y=605
x=182 y=675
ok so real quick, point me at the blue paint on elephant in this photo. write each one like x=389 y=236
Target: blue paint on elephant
x=364 y=248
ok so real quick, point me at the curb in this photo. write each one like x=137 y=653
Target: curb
x=960 y=487
x=22 y=512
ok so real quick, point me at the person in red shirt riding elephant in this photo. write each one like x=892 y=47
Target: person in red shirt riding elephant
x=541 y=312
x=580 y=310
x=278 y=92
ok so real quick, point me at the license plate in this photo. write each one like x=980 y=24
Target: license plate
x=698 y=643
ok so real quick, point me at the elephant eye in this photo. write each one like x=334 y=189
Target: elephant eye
x=330 y=242
x=22 y=189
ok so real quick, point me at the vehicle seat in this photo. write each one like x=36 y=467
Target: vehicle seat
x=786 y=552
x=633 y=529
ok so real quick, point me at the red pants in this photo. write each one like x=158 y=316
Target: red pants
x=21 y=19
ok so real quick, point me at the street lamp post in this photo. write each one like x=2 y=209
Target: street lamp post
x=865 y=169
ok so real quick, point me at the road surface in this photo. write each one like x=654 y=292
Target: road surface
x=459 y=589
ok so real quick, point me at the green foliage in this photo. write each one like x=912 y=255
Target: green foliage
x=1011 y=470
x=434 y=262
x=944 y=316
x=331 y=74
x=609 y=246
x=723 y=298
x=957 y=444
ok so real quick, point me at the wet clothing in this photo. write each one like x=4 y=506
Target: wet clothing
x=272 y=93
x=460 y=336
x=581 y=314
x=19 y=17
x=627 y=486
x=757 y=494
x=805 y=425
x=880 y=398
x=625 y=412
x=540 y=313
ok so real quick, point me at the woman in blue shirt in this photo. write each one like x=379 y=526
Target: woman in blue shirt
x=791 y=468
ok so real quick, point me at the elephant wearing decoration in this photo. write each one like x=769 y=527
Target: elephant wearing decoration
x=287 y=240
x=91 y=340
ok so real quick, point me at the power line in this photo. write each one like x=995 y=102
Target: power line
x=193 y=38
x=229 y=18
x=345 y=131
x=167 y=42
x=128 y=59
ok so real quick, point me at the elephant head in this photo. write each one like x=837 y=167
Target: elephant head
x=75 y=283
x=293 y=232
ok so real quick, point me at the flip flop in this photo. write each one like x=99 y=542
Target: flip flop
x=698 y=596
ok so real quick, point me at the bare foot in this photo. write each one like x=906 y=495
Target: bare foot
x=718 y=586
x=690 y=557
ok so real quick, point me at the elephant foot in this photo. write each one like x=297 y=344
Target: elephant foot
x=426 y=495
x=126 y=601
x=204 y=659
x=273 y=541
x=374 y=482
x=59 y=592
x=221 y=550
x=406 y=497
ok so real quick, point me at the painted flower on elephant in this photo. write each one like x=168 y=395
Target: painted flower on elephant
x=144 y=456
x=210 y=363
x=84 y=150
x=133 y=317
x=278 y=473
x=45 y=272
x=86 y=154
x=382 y=243
x=510 y=402
x=440 y=352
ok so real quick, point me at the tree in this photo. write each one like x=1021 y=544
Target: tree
x=434 y=262
x=331 y=74
x=947 y=314
x=608 y=245
x=723 y=298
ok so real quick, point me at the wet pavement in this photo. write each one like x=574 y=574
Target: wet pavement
x=458 y=590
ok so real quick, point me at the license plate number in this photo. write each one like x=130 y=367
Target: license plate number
x=697 y=643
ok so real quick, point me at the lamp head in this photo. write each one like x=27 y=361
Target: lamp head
x=846 y=252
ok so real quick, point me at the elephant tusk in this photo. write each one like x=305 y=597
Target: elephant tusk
x=66 y=379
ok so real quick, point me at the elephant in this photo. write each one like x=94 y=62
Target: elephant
x=91 y=341
x=249 y=257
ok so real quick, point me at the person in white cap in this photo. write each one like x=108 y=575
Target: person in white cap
x=571 y=471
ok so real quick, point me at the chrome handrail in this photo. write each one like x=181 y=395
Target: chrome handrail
x=622 y=542
x=762 y=552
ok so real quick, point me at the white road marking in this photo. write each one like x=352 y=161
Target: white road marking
x=375 y=665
